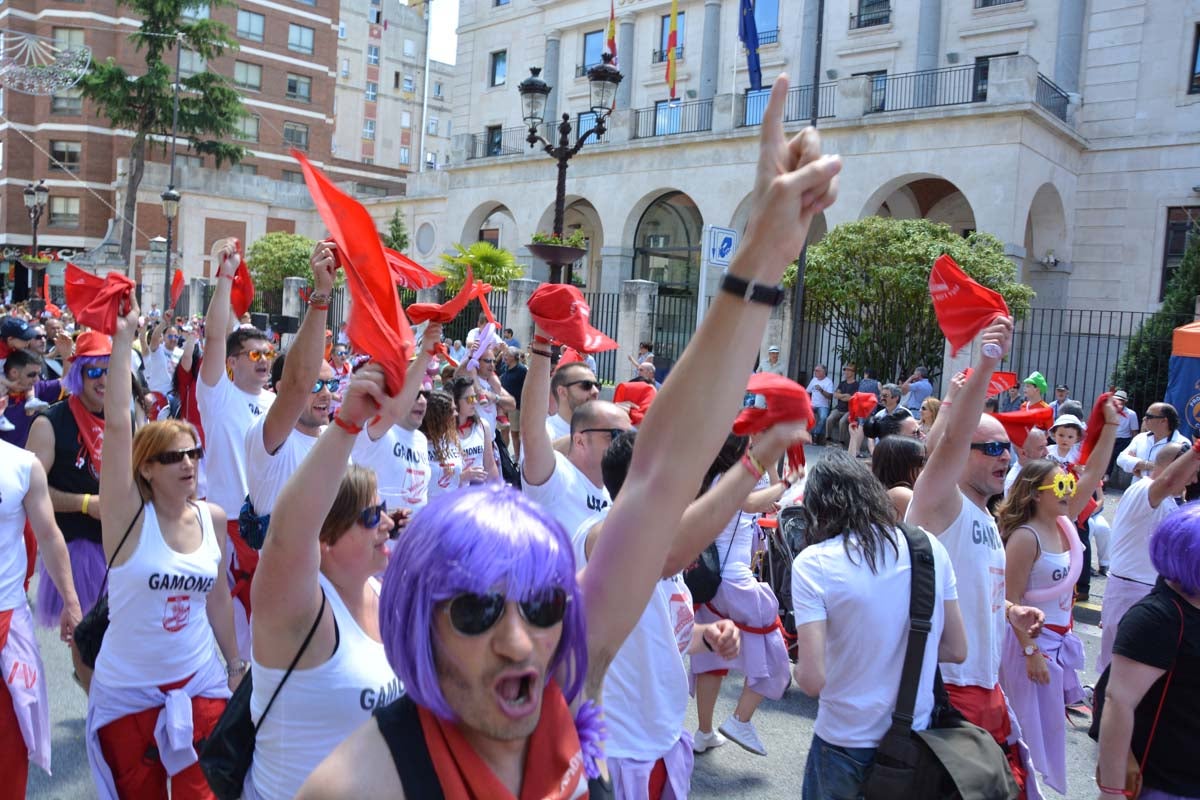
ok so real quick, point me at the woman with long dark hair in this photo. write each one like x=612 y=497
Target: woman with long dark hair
x=166 y=622
x=750 y=604
x=896 y=462
x=474 y=435
x=850 y=592
x=440 y=426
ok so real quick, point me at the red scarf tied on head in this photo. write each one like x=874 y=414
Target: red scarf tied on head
x=97 y=302
x=377 y=324
x=1018 y=424
x=963 y=306
x=786 y=401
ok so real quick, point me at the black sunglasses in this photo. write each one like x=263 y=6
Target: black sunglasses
x=95 y=372
x=473 y=614
x=371 y=516
x=586 y=384
x=991 y=449
x=613 y=433
x=1154 y=416
x=331 y=384
x=175 y=456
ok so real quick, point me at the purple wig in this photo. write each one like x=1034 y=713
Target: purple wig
x=1175 y=548
x=479 y=540
x=73 y=380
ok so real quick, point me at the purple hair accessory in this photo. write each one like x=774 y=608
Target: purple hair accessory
x=589 y=724
x=487 y=338
x=73 y=380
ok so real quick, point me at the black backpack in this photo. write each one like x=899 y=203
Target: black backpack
x=774 y=565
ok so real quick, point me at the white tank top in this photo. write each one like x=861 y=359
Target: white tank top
x=471 y=444
x=444 y=474
x=317 y=708
x=158 y=629
x=1050 y=569
x=14 y=484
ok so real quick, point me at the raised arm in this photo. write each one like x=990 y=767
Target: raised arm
x=537 y=453
x=120 y=493
x=397 y=408
x=189 y=351
x=1097 y=464
x=1170 y=477
x=692 y=413
x=945 y=413
x=216 y=324
x=303 y=362
x=936 y=500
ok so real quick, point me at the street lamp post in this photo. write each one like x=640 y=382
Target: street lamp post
x=602 y=80
x=170 y=198
x=36 y=198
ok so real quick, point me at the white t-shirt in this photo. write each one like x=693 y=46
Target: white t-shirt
x=557 y=427
x=866 y=634
x=568 y=495
x=819 y=400
x=266 y=473
x=400 y=459
x=472 y=444
x=485 y=403
x=227 y=413
x=977 y=553
x=444 y=474
x=160 y=367
x=1134 y=522
x=14 y=484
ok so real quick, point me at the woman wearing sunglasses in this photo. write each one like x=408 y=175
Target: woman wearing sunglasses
x=328 y=536
x=440 y=426
x=160 y=654
x=1044 y=557
x=474 y=434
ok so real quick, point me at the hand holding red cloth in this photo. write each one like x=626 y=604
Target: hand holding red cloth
x=786 y=401
x=862 y=404
x=377 y=324
x=1095 y=426
x=1017 y=424
x=561 y=312
x=97 y=302
x=963 y=306
x=639 y=395
x=447 y=311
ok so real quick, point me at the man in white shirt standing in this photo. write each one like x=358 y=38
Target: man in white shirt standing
x=1127 y=429
x=163 y=353
x=773 y=365
x=572 y=385
x=820 y=389
x=1161 y=424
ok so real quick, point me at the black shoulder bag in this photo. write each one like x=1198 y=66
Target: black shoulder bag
x=952 y=758
x=703 y=577
x=89 y=633
x=226 y=755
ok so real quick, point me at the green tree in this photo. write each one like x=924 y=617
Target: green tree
x=209 y=107
x=869 y=282
x=1142 y=369
x=397 y=236
x=488 y=264
x=277 y=256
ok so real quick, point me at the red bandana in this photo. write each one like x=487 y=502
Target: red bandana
x=553 y=764
x=447 y=311
x=787 y=401
x=176 y=287
x=640 y=394
x=862 y=404
x=1095 y=426
x=408 y=273
x=1017 y=424
x=241 y=293
x=97 y=302
x=91 y=432
x=963 y=307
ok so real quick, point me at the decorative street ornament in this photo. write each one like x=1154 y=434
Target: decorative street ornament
x=39 y=65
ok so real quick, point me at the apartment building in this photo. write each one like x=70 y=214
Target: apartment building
x=1068 y=129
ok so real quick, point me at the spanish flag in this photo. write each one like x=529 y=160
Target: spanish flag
x=672 y=45
x=611 y=34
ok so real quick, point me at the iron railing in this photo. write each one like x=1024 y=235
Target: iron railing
x=1051 y=97
x=768 y=37
x=798 y=105
x=868 y=17
x=502 y=142
x=928 y=88
x=673 y=323
x=992 y=3
x=660 y=56
x=666 y=119
x=605 y=316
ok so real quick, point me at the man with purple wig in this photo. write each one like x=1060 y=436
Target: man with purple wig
x=483 y=616
x=66 y=440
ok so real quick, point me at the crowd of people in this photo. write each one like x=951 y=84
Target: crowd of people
x=478 y=582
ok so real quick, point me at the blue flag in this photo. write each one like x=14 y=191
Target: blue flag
x=748 y=34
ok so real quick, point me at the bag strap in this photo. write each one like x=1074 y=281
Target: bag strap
x=920 y=611
x=736 y=525
x=1166 y=686
x=295 y=661
x=120 y=544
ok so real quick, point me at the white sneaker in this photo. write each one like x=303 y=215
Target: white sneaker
x=743 y=734
x=706 y=741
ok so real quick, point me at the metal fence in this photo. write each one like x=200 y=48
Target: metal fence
x=606 y=308
x=673 y=324
x=498 y=142
x=947 y=86
x=1051 y=97
x=667 y=119
x=798 y=105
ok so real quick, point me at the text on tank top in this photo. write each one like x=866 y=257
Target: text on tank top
x=157 y=606
x=72 y=472
x=1048 y=570
x=444 y=472
x=472 y=444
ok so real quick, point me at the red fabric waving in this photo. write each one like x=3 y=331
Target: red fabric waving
x=447 y=311
x=241 y=294
x=97 y=302
x=487 y=309
x=963 y=307
x=786 y=401
x=862 y=404
x=1017 y=424
x=1095 y=426
x=569 y=355
x=560 y=310
x=377 y=324
x=1002 y=382
x=177 y=288
x=46 y=285
x=640 y=394
x=408 y=273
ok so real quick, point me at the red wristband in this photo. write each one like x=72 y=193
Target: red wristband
x=749 y=465
x=318 y=307
x=348 y=427
x=541 y=339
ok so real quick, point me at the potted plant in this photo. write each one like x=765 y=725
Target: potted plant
x=559 y=250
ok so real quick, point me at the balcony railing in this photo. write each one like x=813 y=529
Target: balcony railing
x=581 y=69
x=665 y=119
x=768 y=37
x=870 y=17
x=993 y=3
x=797 y=107
x=948 y=86
x=660 y=56
x=1051 y=97
x=503 y=142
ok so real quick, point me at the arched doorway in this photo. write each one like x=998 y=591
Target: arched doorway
x=667 y=244
x=924 y=197
x=1047 y=257
x=492 y=222
x=580 y=215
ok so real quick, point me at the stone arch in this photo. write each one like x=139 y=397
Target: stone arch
x=1046 y=266
x=580 y=214
x=667 y=243
x=493 y=216
x=922 y=196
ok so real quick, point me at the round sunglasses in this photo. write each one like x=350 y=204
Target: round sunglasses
x=175 y=456
x=473 y=614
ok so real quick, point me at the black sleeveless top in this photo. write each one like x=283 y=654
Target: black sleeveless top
x=72 y=472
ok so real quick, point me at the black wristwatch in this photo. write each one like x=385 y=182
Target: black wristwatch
x=752 y=291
